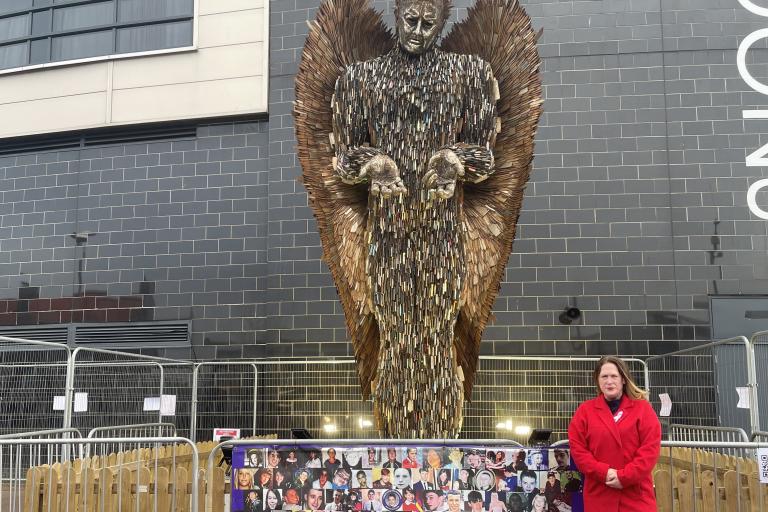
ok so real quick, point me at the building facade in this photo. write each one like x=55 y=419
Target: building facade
x=151 y=186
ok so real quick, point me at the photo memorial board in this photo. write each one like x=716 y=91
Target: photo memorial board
x=404 y=479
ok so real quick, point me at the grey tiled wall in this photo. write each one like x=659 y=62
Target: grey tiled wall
x=636 y=211
x=158 y=231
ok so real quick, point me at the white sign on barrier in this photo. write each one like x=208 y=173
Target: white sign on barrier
x=81 y=402
x=743 y=398
x=59 y=403
x=152 y=403
x=666 y=404
x=762 y=464
x=168 y=405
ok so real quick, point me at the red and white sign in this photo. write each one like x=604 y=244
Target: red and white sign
x=218 y=433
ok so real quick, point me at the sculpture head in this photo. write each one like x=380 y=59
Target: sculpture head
x=420 y=23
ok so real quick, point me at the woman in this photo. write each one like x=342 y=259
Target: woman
x=615 y=440
x=263 y=478
x=536 y=461
x=313 y=460
x=353 y=503
x=433 y=459
x=243 y=479
x=491 y=461
x=539 y=503
x=444 y=480
x=302 y=479
x=291 y=461
x=280 y=480
x=272 y=500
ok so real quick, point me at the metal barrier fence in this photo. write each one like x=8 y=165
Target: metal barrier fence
x=136 y=430
x=692 y=377
x=41 y=476
x=759 y=437
x=679 y=432
x=224 y=395
x=759 y=344
x=100 y=388
x=32 y=375
x=323 y=396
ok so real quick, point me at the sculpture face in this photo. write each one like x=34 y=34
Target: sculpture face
x=419 y=24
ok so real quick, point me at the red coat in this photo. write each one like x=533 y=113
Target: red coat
x=630 y=445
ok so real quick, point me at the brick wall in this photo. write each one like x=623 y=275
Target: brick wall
x=636 y=211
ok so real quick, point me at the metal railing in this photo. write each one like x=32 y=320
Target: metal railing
x=689 y=377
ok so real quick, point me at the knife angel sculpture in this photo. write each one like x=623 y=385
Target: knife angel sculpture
x=415 y=157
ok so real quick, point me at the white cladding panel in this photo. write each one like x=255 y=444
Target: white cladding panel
x=226 y=74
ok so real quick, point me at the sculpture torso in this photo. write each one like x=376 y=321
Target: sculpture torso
x=408 y=107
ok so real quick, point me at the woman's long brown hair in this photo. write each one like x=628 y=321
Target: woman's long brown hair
x=630 y=388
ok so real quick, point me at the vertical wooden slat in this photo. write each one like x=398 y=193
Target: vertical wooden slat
x=664 y=496
x=732 y=490
x=685 y=491
x=32 y=498
x=161 y=490
x=68 y=489
x=709 y=494
x=182 y=494
x=107 y=497
x=218 y=489
x=124 y=489
x=140 y=479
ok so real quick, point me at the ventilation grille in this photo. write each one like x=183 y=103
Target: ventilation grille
x=118 y=335
x=51 y=334
x=133 y=335
x=37 y=143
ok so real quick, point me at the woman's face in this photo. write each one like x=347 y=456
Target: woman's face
x=265 y=477
x=610 y=381
x=271 y=500
x=537 y=458
x=243 y=479
x=409 y=496
x=279 y=477
x=499 y=456
x=303 y=476
x=539 y=503
x=353 y=457
x=443 y=477
x=433 y=459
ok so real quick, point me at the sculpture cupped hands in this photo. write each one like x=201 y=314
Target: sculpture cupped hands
x=384 y=176
x=443 y=170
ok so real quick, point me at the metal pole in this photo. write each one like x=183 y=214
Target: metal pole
x=160 y=411
x=193 y=413
x=255 y=397
x=754 y=409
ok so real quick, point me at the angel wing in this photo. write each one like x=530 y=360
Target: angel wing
x=500 y=32
x=343 y=32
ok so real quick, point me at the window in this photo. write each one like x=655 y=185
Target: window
x=43 y=31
